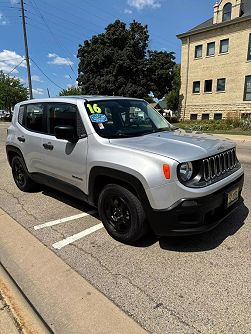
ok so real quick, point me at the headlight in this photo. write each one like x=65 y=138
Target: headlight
x=186 y=171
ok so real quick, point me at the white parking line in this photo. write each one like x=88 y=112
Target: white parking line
x=75 y=237
x=63 y=220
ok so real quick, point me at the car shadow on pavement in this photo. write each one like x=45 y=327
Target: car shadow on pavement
x=209 y=240
x=66 y=199
x=196 y=243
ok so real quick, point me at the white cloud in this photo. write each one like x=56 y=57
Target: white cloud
x=36 y=78
x=127 y=11
x=3 y=19
x=141 y=4
x=10 y=59
x=52 y=55
x=38 y=91
x=57 y=60
x=14 y=2
x=67 y=76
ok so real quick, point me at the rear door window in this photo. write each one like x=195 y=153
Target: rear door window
x=34 y=118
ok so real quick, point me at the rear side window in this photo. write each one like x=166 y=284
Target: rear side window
x=34 y=117
x=21 y=115
x=61 y=114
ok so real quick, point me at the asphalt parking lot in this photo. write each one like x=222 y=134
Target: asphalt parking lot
x=198 y=284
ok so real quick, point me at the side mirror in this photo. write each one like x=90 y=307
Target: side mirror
x=66 y=132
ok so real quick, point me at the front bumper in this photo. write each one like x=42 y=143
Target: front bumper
x=195 y=215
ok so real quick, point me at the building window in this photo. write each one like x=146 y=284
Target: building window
x=247 y=90
x=246 y=115
x=211 y=49
x=208 y=86
x=227 y=12
x=249 y=48
x=196 y=87
x=221 y=85
x=198 y=51
x=205 y=117
x=224 y=46
x=193 y=117
x=217 y=116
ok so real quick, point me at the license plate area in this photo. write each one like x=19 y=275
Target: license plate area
x=233 y=196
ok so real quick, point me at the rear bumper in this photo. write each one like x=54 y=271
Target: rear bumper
x=196 y=215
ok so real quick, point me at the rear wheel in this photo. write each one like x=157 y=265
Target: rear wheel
x=21 y=176
x=122 y=214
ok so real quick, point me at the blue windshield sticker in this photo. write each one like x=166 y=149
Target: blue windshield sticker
x=98 y=118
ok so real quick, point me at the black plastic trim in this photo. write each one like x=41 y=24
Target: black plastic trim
x=120 y=176
x=10 y=148
x=206 y=213
x=59 y=185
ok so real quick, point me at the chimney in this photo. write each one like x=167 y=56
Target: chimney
x=216 y=13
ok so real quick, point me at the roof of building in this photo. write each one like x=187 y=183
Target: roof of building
x=246 y=9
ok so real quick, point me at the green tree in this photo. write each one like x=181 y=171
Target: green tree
x=172 y=98
x=113 y=63
x=70 y=91
x=11 y=91
x=160 y=71
x=149 y=99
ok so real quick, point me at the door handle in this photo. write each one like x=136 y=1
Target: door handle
x=22 y=139
x=48 y=147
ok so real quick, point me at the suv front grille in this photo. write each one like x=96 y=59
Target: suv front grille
x=219 y=164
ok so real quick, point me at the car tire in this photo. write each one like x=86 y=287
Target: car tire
x=21 y=176
x=122 y=214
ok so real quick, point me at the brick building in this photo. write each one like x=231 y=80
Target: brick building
x=216 y=64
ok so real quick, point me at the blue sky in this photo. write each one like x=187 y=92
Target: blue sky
x=56 y=28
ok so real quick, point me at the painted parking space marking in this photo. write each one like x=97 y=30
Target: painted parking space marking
x=63 y=220
x=75 y=237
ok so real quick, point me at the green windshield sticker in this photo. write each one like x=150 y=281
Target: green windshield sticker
x=94 y=109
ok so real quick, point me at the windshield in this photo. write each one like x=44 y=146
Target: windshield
x=118 y=118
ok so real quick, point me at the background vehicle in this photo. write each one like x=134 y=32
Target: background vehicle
x=5 y=115
x=122 y=156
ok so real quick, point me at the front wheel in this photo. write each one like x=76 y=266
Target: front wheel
x=122 y=214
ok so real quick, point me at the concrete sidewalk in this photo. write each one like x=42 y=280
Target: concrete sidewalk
x=63 y=299
x=235 y=138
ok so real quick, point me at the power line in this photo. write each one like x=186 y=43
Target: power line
x=16 y=67
x=46 y=74
x=51 y=32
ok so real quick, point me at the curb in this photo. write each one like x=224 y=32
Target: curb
x=66 y=302
x=21 y=314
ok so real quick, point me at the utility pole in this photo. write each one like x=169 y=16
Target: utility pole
x=26 y=49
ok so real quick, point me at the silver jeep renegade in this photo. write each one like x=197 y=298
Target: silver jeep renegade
x=122 y=156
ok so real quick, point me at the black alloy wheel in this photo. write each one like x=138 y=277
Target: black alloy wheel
x=117 y=213
x=122 y=214
x=21 y=176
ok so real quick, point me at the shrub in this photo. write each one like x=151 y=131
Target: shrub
x=212 y=125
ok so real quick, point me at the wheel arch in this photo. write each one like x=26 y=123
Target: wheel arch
x=99 y=177
x=13 y=151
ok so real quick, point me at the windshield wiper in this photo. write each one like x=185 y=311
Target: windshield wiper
x=162 y=129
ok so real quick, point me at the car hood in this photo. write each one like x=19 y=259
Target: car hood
x=178 y=145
